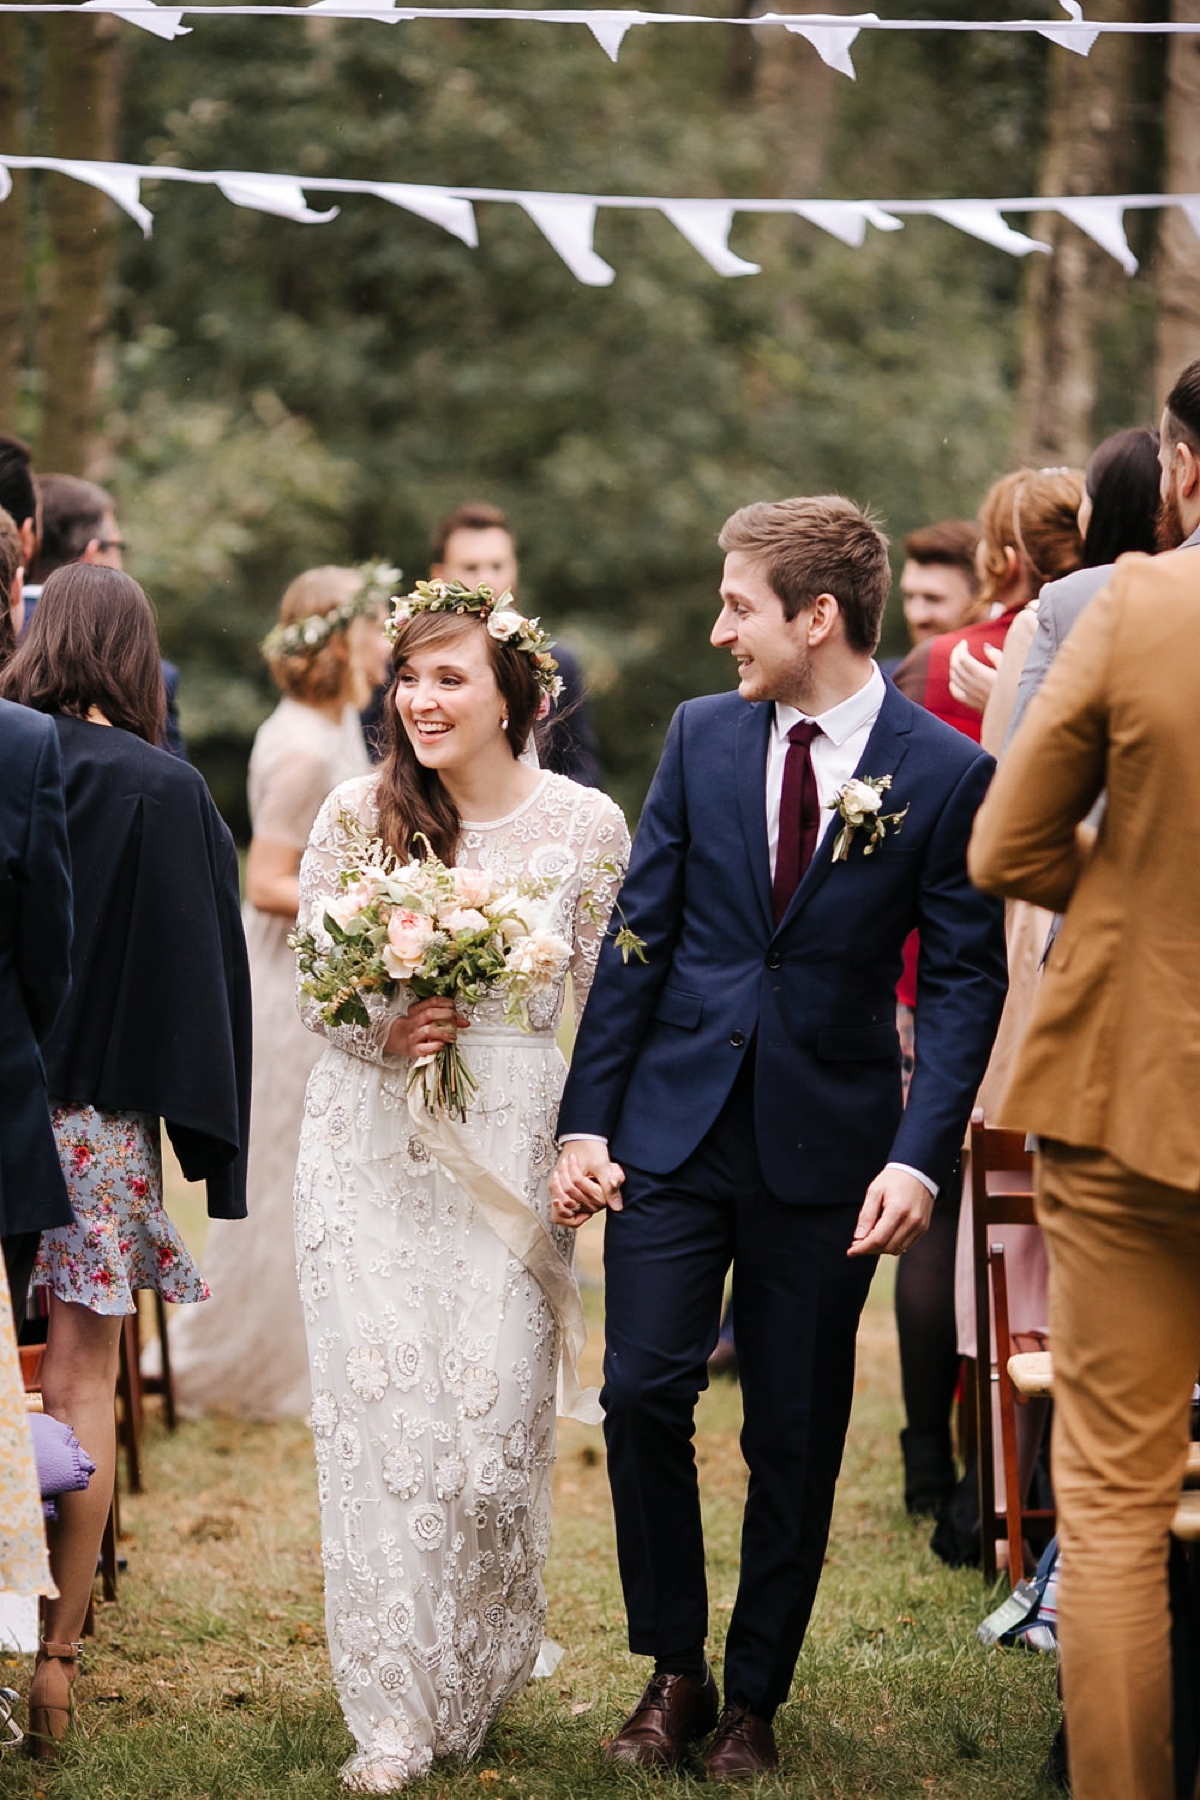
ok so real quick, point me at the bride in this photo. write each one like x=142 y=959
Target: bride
x=435 y=1346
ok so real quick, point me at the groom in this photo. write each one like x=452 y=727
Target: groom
x=736 y=1097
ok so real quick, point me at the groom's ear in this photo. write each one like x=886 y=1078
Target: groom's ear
x=824 y=617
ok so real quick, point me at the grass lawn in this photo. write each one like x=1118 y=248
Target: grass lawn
x=210 y=1677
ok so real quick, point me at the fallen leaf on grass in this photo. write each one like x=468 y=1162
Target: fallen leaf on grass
x=584 y=1706
x=487 y=1776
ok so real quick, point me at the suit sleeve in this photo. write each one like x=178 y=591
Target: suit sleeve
x=1042 y=653
x=624 y=995
x=44 y=906
x=962 y=978
x=1026 y=842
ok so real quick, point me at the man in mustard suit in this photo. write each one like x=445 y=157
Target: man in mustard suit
x=1109 y=1080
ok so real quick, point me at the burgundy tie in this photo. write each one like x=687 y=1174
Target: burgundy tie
x=799 y=816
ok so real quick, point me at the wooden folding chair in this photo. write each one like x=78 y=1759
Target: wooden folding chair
x=133 y=1386
x=1001 y=1194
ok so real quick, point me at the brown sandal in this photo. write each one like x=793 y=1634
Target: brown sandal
x=50 y=1707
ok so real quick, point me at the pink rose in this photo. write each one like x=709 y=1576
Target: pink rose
x=408 y=938
x=473 y=887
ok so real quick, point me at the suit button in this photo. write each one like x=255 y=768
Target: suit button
x=774 y=960
x=737 y=1039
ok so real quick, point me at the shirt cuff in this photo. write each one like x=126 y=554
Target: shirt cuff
x=923 y=1179
x=582 y=1137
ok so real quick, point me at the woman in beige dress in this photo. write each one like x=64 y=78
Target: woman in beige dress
x=247 y=1353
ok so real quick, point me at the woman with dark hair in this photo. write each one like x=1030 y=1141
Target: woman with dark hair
x=156 y=1027
x=1121 y=497
x=435 y=1339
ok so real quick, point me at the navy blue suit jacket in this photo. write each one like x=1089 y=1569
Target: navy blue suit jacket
x=35 y=964
x=660 y=1043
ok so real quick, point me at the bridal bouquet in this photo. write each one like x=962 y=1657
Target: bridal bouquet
x=459 y=934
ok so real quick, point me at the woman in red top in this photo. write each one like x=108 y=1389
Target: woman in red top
x=1029 y=525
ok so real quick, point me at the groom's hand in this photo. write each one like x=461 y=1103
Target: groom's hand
x=585 y=1181
x=895 y=1213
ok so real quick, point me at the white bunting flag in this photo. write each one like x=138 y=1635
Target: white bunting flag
x=1191 y=209
x=1075 y=37
x=164 y=21
x=119 y=181
x=568 y=224
x=1104 y=222
x=832 y=43
x=435 y=204
x=272 y=194
x=846 y=219
x=705 y=224
x=982 y=220
x=5 y=183
x=609 y=28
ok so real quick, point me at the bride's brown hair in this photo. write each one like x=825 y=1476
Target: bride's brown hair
x=412 y=799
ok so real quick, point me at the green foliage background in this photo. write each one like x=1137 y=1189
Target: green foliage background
x=291 y=394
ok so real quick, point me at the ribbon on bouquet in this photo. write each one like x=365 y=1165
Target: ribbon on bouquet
x=525 y=1236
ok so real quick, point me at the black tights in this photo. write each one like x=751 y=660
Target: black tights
x=925 y=1318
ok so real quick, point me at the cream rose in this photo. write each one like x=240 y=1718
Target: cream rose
x=859 y=801
x=462 y=918
x=504 y=625
x=541 y=957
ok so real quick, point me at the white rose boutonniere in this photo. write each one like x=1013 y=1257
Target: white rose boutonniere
x=859 y=805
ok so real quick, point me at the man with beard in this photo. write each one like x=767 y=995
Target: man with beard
x=1178 y=529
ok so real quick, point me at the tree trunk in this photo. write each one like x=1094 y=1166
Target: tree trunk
x=1179 y=239
x=81 y=96
x=12 y=220
x=1066 y=294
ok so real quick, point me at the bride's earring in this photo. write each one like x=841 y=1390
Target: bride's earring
x=504 y=723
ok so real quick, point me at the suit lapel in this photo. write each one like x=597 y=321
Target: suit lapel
x=750 y=754
x=883 y=753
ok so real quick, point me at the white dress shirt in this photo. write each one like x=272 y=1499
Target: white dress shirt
x=836 y=753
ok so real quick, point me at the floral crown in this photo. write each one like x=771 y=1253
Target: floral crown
x=307 y=635
x=495 y=611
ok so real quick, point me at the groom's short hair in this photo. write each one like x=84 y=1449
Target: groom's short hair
x=820 y=544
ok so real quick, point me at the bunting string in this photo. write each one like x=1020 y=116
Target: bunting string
x=567 y=221
x=832 y=35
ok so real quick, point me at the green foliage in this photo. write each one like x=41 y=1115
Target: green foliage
x=291 y=394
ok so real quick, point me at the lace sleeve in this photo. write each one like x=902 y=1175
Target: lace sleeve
x=324 y=857
x=602 y=870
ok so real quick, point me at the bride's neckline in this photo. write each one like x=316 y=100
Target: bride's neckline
x=493 y=824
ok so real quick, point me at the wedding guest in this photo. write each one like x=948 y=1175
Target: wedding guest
x=245 y=1352
x=939 y=580
x=17 y=495
x=442 y=1313
x=23 y=1565
x=12 y=587
x=1108 y=1078
x=475 y=543
x=1028 y=530
x=156 y=1027
x=79 y=524
x=35 y=972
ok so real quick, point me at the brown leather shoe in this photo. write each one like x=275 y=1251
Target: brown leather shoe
x=672 y=1712
x=743 y=1747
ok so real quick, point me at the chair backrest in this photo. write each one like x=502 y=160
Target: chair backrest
x=1001 y=1194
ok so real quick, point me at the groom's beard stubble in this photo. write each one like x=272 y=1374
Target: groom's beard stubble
x=800 y=685
x=1169 y=530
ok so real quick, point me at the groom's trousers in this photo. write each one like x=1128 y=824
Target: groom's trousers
x=797 y=1300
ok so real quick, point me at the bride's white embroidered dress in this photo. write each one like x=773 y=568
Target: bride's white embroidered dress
x=435 y=1350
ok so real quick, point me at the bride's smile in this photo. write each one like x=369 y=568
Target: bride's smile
x=449 y=702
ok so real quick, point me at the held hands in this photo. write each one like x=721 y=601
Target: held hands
x=585 y=1182
x=424 y=1029
x=895 y=1213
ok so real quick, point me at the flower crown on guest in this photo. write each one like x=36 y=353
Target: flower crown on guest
x=497 y=612
x=305 y=636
